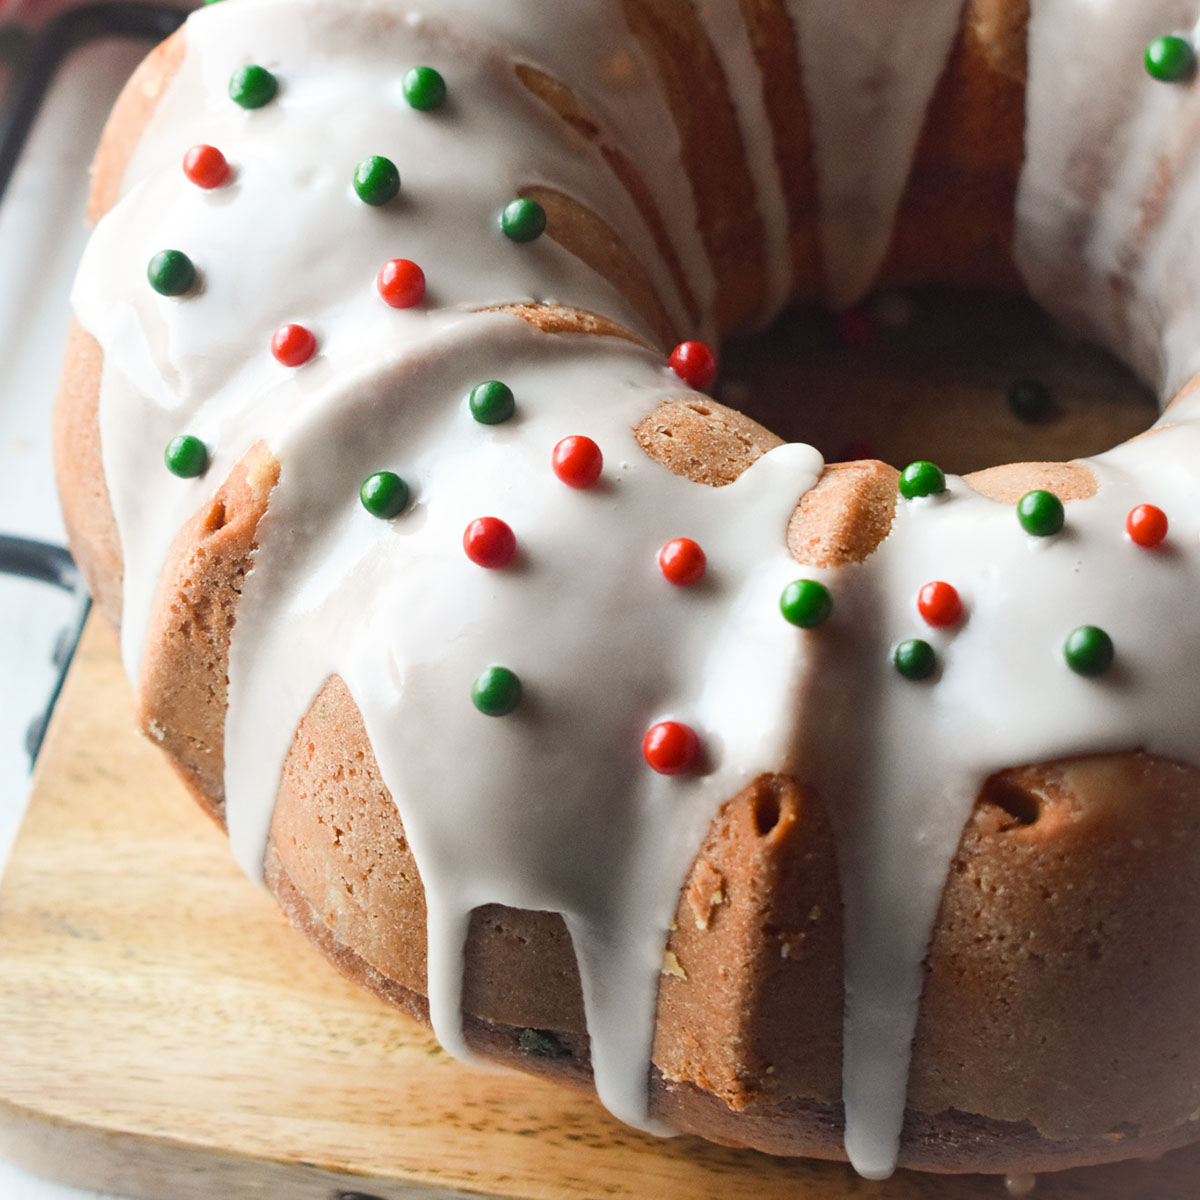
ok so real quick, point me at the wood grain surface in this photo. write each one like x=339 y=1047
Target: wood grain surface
x=164 y=1034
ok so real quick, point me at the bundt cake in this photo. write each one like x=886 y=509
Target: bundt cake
x=782 y=803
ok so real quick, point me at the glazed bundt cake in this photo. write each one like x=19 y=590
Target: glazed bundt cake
x=570 y=710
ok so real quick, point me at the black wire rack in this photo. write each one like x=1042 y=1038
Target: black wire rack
x=36 y=58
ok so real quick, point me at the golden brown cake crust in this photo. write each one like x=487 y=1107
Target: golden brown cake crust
x=1071 y=895
x=82 y=488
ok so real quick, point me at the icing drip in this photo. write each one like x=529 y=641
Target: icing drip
x=587 y=44
x=546 y=811
x=553 y=808
x=870 y=69
x=727 y=31
x=910 y=758
x=1104 y=233
x=297 y=156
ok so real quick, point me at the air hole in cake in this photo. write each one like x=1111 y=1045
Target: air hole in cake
x=970 y=379
x=216 y=518
x=1022 y=807
x=766 y=810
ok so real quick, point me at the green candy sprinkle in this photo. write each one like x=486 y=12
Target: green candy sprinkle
x=492 y=402
x=523 y=220
x=1040 y=513
x=806 y=603
x=171 y=273
x=921 y=479
x=424 y=89
x=186 y=456
x=496 y=692
x=1171 y=59
x=914 y=659
x=377 y=181
x=252 y=86
x=541 y=1043
x=384 y=495
x=1030 y=400
x=1088 y=650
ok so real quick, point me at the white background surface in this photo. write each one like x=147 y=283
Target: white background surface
x=41 y=236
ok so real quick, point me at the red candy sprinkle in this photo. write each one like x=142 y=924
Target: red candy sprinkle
x=489 y=542
x=1146 y=525
x=939 y=604
x=401 y=283
x=671 y=747
x=694 y=363
x=206 y=167
x=682 y=561
x=293 y=345
x=577 y=461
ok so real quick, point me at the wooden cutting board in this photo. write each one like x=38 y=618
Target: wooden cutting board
x=164 y=1034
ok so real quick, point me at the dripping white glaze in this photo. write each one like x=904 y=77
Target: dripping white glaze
x=870 y=69
x=726 y=27
x=1106 y=234
x=580 y=828
x=578 y=825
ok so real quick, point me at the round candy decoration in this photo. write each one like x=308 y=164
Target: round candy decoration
x=206 y=167
x=492 y=402
x=1030 y=400
x=542 y=1043
x=376 y=181
x=1041 y=513
x=490 y=543
x=577 y=462
x=424 y=89
x=914 y=659
x=253 y=86
x=171 y=273
x=1171 y=59
x=293 y=345
x=1146 y=526
x=523 y=220
x=384 y=495
x=496 y=692
x=186 y=456
x=940 y=604
x=682 y=562
x=806 y=603
x=401 y=283
x=922 y=479
x=671 y=747
x=694 y=363
x=1088 y=650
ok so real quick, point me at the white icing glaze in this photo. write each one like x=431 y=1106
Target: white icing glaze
x=727 y=31
x=553 y=808
x=1105 y=233
x=1003 y=696
x=434 y=621
x=870 y=69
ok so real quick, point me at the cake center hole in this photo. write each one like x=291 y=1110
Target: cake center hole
x=929 y=373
